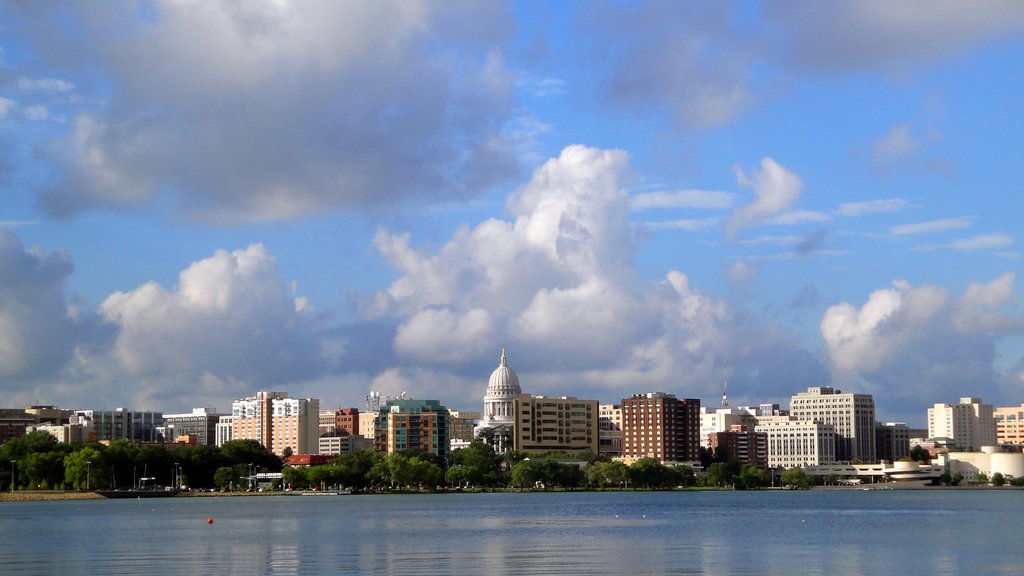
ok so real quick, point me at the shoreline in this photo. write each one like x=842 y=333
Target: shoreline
x=59 y=495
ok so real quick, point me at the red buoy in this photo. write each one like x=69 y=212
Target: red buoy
x=209 y=520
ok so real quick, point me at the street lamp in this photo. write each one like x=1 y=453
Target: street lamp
x=250 y=475
x=12 y=475
x=88 y=469
x=175 y=476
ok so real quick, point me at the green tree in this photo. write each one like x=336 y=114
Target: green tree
x=796 y=478
x=649 y=473
x=684 y=476
x=719 y=474
x=998 y=479
x=295 y=477
x=525 y=474
x=752 y=477
x=459 y=476
x=85 y=468
x=608 y=474
x=980 y=477
x=956 y=479
x=481 y=463
x=41 y=470
x=224 y=477
x=920 y=454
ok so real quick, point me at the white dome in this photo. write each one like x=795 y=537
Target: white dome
x=503 y=382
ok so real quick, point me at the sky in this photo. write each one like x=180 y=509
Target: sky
x=200 y=200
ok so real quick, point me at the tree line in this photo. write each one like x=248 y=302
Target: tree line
x=41 y=463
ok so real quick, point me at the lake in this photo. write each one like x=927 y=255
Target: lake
x=636 y=533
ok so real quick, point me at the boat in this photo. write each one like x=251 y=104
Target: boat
x=156 y=492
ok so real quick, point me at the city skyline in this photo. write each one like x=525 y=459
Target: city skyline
x=204 y=200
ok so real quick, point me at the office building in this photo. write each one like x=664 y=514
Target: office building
x=661 y=426
x=412 y=425
x=563 y=423
x=852 y=416
x=968 y=425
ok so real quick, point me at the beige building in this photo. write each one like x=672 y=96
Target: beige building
x=366 y=420
x=969 y=424
x=562 y=423
x=462 y=423
x=798 y=443
x=277 y=422
x=714 y=420
x=852 y=416
x=1009 y=424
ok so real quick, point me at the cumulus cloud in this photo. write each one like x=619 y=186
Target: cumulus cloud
x=556 y=285
x=775 y=190
x=229 y=323
x=266 y=110
x=39 y=330
x=919 y=343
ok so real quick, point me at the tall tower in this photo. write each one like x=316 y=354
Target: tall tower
x=725 y=386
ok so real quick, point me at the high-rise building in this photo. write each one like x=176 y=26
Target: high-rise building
x=609 y=436
x=661 y=426
x=892 y=441
x=366 y=424
x=1009 y=424
x=412 y=425
x=461 y=424
x=295 y=425
x=722 y=420
x=969 y=425
x=562 y=423
x=277 y=422
x=797 y=443
x=346 y=422
x=121 y=424
x=851 y=415
x=741 y=443
x=201 y=423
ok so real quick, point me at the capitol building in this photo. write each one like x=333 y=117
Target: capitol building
x=499 y=406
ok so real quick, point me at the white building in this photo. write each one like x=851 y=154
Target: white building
x=722 y=420
x=499 y=412
x=988 y=461
x=201 y=423
x=278 y=422
x=851 y=415
x=797 y=443
x=969 y=424
x=225 y=430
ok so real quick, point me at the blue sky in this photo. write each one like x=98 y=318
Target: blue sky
x=203 y=199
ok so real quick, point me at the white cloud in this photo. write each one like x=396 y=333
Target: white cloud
x=775 y=190
x=887 y=206
x=931 y=226
x=793 y=217
x=918 y=342
x=35 y=112
x=44 y=85
x=557 y=287
x=6 y=105
x=981 y=242
x=264 y=111
x=704 y=199
x=741 y=272
x=230 y=319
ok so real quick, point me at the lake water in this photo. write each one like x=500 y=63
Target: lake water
x=770 y=532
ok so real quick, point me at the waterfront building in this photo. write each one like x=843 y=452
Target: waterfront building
x=277 y=422
x=969 y=425
x=660 y=426
x=461 y=425
x=14 y=422
x=366 y=424
x=562 y=423
x=346 y=422
x=722 y=420
x=412 y=425
x=334 y=445
x=498 y=414
x=892 y=441
x=327 y=423
x=988 y=461
x=224 y=430
x=609 y=430
x=797 y=443
x=64 y=433
x=852 y=416
x=741 y=443
x=121 y=424
x=201 y=423
x=1009 y=424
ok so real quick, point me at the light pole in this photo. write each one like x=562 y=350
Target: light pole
x=88 y=470
x=12 y=475
x=175 y=477
x=250 y=476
